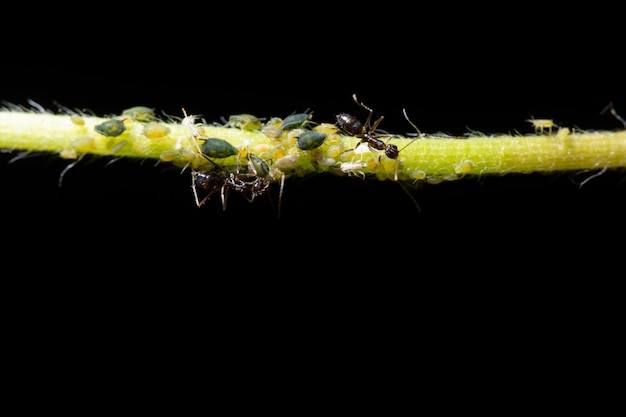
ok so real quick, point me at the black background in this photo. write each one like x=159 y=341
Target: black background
x=488 y=77
x=483 y=254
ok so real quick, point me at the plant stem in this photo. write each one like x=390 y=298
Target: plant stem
x=428 y=157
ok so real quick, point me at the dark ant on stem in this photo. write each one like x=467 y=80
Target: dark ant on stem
x=365 y=132
x=352 y=126
x=249 y=184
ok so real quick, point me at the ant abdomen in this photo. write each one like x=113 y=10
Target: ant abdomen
x=350 y=124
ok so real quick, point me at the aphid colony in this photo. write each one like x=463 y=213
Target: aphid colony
x=279 y=148
x=250 y=171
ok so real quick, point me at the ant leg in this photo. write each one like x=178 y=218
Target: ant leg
x=224 y=196
x=395 y=174
x=369 y=117
x=194 y=188
x=376 y=123
x=419 y=209
x=370 y=113
x=195 y=192
x=280 y=195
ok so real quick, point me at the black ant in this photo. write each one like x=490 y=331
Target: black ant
x=249 y=184
x=352 y=126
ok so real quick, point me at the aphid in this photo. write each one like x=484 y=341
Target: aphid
x=295 y=120
x=117 y=147
x=464 y=167
x=83 y=143
x=139 y=113
x=310 y=139
x=245 y=121
x=272 y=128
x=258 y=165
x=262 y=170
x=562 y=134
x=77 y=120
x=352 y=126
x=540 y=124
x=111 y=128
x=218 y=148
x=155 y=130
x=353 y=168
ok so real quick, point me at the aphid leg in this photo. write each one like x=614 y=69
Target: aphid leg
x=611 y=110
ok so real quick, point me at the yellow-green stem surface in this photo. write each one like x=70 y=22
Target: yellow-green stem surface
x=428 y=157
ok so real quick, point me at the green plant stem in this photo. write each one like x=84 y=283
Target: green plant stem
x=428 y=157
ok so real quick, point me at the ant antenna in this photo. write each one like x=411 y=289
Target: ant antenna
x=419 y=135
x=411 y=123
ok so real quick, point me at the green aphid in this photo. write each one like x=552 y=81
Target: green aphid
x=111 y=128
x=139 y=113
x=218 y=148
x=245 y=122
x=258 y=165
x=295 y=120
x=310 y=139
x=272 y=128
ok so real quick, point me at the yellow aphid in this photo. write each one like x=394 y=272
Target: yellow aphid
x=326 y=128
x=333 y=151
x=272 y=128
x=77 y=120
x=119 y=146
x=347 y=155
x=288 y=161
x=371 y=163
x=464 y=167
x=417 y=175
x=388 y=164
x=327 y=162
x=83 y=143
x=541 y=124
x=261 y=148
x=168 y=156
x=562 y=133
x=155 y=130
x=68 y=154
x=188 y=155
x=277 y=153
